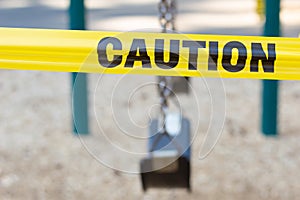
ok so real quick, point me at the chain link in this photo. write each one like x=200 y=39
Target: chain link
x=167 y=12
x=164 y=93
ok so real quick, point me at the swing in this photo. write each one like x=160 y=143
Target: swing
x=168 y=162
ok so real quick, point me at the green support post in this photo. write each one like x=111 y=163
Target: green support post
x=270 y=87
x=79 y=80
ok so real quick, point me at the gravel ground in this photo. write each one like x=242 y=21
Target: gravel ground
x=41 y=159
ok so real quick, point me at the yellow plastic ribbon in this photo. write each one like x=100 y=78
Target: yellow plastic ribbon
x=150 y=53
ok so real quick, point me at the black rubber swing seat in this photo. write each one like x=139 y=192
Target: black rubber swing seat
x=164 y=167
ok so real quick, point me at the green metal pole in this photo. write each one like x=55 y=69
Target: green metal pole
x=270 y=87
x=79 y=80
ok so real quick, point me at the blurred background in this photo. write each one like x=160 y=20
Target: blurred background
x=40 y=157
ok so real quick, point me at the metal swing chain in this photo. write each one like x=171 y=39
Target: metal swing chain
x=167 y=12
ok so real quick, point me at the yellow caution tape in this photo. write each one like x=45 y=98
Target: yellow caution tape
x=150 y=53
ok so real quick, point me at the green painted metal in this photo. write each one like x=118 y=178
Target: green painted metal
x=270 y=87
x=79 y=80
